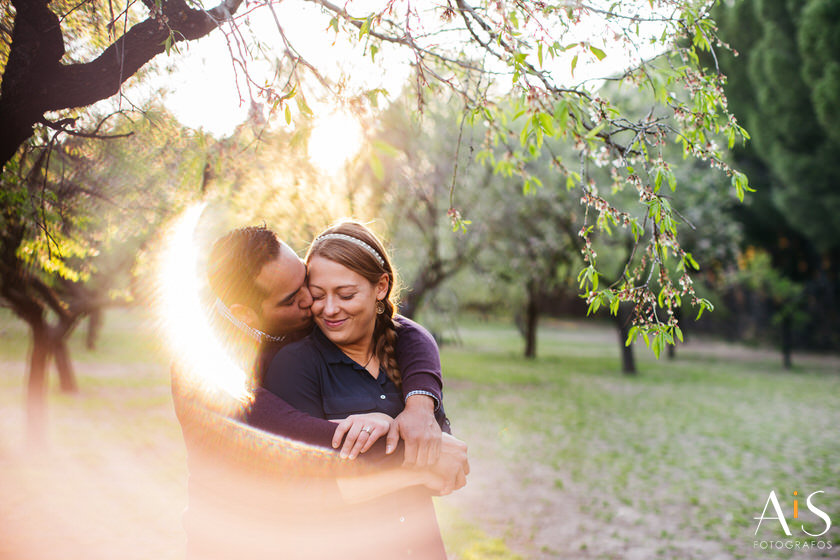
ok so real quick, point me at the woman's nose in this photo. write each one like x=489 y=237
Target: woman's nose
x=330 y=305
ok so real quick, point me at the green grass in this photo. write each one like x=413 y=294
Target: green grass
x=693 y=445
x=570 y=458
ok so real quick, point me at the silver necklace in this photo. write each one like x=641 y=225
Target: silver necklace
x=256 y=334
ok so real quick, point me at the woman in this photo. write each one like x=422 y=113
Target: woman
x=347 y=367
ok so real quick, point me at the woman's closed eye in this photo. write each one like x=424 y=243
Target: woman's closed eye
x=318 y=296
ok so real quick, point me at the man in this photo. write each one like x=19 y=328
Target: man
x=263 y=303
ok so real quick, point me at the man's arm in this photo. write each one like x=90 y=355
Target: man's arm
x=211 y=431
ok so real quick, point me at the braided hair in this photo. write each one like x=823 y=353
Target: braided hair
x=354 y=246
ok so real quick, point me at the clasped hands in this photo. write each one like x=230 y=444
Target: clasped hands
x=439 y=459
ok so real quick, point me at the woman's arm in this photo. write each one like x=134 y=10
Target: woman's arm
x=419 y=360
x=418 y=357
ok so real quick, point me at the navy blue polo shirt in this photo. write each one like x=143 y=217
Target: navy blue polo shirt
x=316 y=377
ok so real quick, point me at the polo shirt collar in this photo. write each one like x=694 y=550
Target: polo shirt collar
x=333 y=354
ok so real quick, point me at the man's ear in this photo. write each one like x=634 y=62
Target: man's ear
x=245 y=314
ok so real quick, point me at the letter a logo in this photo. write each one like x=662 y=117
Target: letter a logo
x=780 y=516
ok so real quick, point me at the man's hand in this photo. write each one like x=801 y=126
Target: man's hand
x=452 y=467
x=420 y=431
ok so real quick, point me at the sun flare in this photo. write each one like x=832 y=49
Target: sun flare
x=335 y=139
x=183 y=318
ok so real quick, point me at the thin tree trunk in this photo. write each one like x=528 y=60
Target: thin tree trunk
x=531 y=321
x=787 y=343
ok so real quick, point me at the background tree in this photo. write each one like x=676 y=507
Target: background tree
x=413 y=164
x=523 y=53
x=532 y=244
x=75 y=214
x=785 y=87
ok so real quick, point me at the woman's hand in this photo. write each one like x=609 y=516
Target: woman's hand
x=362 y=431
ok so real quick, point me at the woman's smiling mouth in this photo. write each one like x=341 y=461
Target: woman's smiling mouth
x=334 y=324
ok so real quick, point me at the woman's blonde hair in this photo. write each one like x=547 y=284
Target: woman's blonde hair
x=354 y=246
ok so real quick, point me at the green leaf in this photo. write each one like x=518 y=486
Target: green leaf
x=523 y=136
x=376 y=166
x=690 y=260
x=297 y=139
x=365 y=27
x=547 y=124
x=599 y=54
x=574 y=64
x=631 y=336
x=386 y=148
x=658 y=344
x=288 y=114
x=594 y=132
x=303 y=107
x=561 y=115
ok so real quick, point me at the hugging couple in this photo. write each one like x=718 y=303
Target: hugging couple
x=362 y=387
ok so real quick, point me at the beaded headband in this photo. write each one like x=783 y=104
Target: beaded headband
x=256 y=334
x=355 y=241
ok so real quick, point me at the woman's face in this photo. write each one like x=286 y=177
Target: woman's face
x=344 y=302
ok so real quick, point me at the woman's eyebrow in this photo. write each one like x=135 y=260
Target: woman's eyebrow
x=342 y=287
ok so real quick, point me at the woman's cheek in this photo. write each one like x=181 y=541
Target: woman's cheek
x=317 y=306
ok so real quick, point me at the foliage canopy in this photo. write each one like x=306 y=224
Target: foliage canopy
x=527 y=70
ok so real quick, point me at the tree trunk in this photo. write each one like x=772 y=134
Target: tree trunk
x=531 y=320
x=47 y=341
x=787 y=343
x=94 y=326
x=66 y=375
x=623 y=319
x=36 y=389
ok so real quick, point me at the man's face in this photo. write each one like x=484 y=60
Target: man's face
x=285 y=309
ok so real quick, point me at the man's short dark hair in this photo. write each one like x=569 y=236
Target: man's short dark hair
x=236 y=260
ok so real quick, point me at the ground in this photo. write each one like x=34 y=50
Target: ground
x=570 y=459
